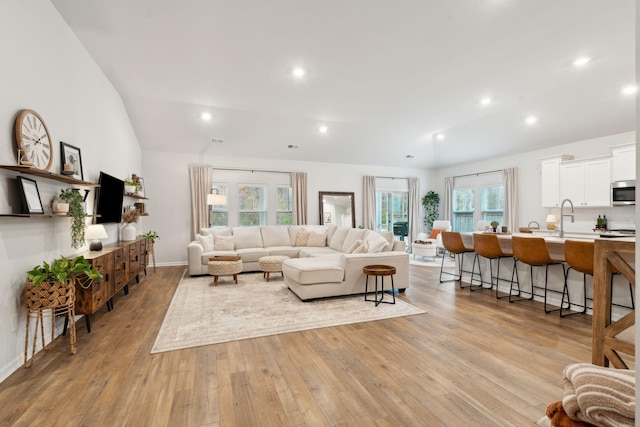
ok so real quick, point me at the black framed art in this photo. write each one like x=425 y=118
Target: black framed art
x=31 y=203
x=71 y=161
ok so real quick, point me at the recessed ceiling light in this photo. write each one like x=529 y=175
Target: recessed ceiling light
x=298 y=72
x=323 y=129
x=485 y=101
x=583 y=60
x=439 y=136
x=206 y=116
x=629 y=90
x=531 y=120
x=409 y=156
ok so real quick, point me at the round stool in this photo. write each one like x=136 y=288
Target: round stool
x=225 y=266
x=379 y=271
x=272 y=264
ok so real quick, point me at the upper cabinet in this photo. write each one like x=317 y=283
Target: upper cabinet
x=550 y=180
x=623 y=163
x=586 y=182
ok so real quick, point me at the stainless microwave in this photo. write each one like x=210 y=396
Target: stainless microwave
x=623 y=193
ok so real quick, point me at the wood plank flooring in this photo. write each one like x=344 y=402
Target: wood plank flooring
x=471 y=360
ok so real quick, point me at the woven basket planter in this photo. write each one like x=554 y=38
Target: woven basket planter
x=49 y=295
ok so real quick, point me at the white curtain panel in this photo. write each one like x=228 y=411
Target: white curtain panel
x=201 y=182
x=369 y=201
x=447 y=205
x=414 y=210
x=510 y=177
x=299 y=202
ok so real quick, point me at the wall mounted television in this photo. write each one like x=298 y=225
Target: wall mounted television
x=109 y=197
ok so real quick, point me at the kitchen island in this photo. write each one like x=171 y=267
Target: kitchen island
x=555 y=244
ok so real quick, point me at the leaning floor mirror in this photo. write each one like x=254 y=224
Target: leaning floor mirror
x=337 y=208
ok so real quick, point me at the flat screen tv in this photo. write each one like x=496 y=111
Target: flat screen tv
x=109 y=199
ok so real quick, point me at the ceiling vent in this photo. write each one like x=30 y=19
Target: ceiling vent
x=293 y=147
x=217 y=140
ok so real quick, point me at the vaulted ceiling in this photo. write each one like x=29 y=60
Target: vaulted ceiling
x=384 y=77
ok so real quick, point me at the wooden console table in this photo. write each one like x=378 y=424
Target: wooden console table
x=119 y=263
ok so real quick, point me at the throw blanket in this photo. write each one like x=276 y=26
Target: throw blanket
x=599 y=396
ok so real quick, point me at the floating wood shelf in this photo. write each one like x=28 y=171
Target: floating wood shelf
x=30 y=170
x=136 y=196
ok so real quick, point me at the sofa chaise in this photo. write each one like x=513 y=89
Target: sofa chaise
x=324 y=260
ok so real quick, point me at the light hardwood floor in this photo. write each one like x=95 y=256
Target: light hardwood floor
x=471 y=360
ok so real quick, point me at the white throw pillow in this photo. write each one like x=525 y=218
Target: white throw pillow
x=376 y=242
x=206 y=242
x=336 y=241
x=302 y=239
x=352 y=235
x=353 y=247
x=317 y=239
x=223 y=243
x=362 y=249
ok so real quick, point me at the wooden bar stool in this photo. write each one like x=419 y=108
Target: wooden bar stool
x=452 y=242
x=533 y=252
x=579 y=256
x=488 y=246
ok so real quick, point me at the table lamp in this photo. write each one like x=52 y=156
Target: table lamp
x=551 y=222
x=95 y=232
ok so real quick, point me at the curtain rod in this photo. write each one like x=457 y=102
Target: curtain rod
x=479 y=173
x=247 y=170
x=390 y=177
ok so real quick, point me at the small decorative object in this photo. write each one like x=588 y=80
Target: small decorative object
x=505 y=229
x=140 y=208
x=95 y=232
x=31 y=203
x=494 y=225
x=71 y=161
x=128 y=231
x=60 y=206
x=33 y=140
x=130 y=186
x=140 y=190
x=76 y=209
x=551 y=220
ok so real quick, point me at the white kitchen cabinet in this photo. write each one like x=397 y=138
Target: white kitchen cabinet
x=623 y=163
x=550 y=180
x=586 y=182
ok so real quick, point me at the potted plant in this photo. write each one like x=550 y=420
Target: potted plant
x=53 y=285
x=495 y=225
x=130 y=186
x=151 y=235
x=430 y=203
x=76 y=210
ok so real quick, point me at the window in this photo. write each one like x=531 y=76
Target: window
x=284 y=210
x=252 y=205
x=463 y=209
x=392 y=212
x=220 y=213
x=492 y=203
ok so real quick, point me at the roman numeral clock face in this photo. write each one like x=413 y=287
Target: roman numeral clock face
x=33 y=140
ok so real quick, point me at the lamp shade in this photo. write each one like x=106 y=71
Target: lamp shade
x=550 y=218
x=216 y=199
x=95 y=232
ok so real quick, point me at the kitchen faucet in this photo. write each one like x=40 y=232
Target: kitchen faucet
x=562 y=215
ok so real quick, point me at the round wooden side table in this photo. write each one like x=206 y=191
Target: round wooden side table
x=379 y=271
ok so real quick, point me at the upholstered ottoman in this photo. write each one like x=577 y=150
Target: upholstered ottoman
x=225 y=266
x=272 y=264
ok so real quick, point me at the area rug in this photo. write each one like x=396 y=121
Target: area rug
x=429 y=262
x=203 y=314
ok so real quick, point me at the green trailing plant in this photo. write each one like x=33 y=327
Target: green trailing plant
x=131 y=182
x=76 y=210
x=65 y=270
x=151 y=235
x=430 y=203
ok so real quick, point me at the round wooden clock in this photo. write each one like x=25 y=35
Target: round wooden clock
x=33 y=140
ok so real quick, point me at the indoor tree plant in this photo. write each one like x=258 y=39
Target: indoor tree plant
x=76 y=210
x=430 y=203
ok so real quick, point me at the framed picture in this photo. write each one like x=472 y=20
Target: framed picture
x=71 y=161
x=31 y=203
x=140 y=186
x=327 y=217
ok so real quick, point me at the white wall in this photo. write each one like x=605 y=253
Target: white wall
x=529 y=181
x=167 y=179
x=46 y=69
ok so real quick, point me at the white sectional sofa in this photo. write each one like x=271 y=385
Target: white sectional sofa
x=324 y=260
